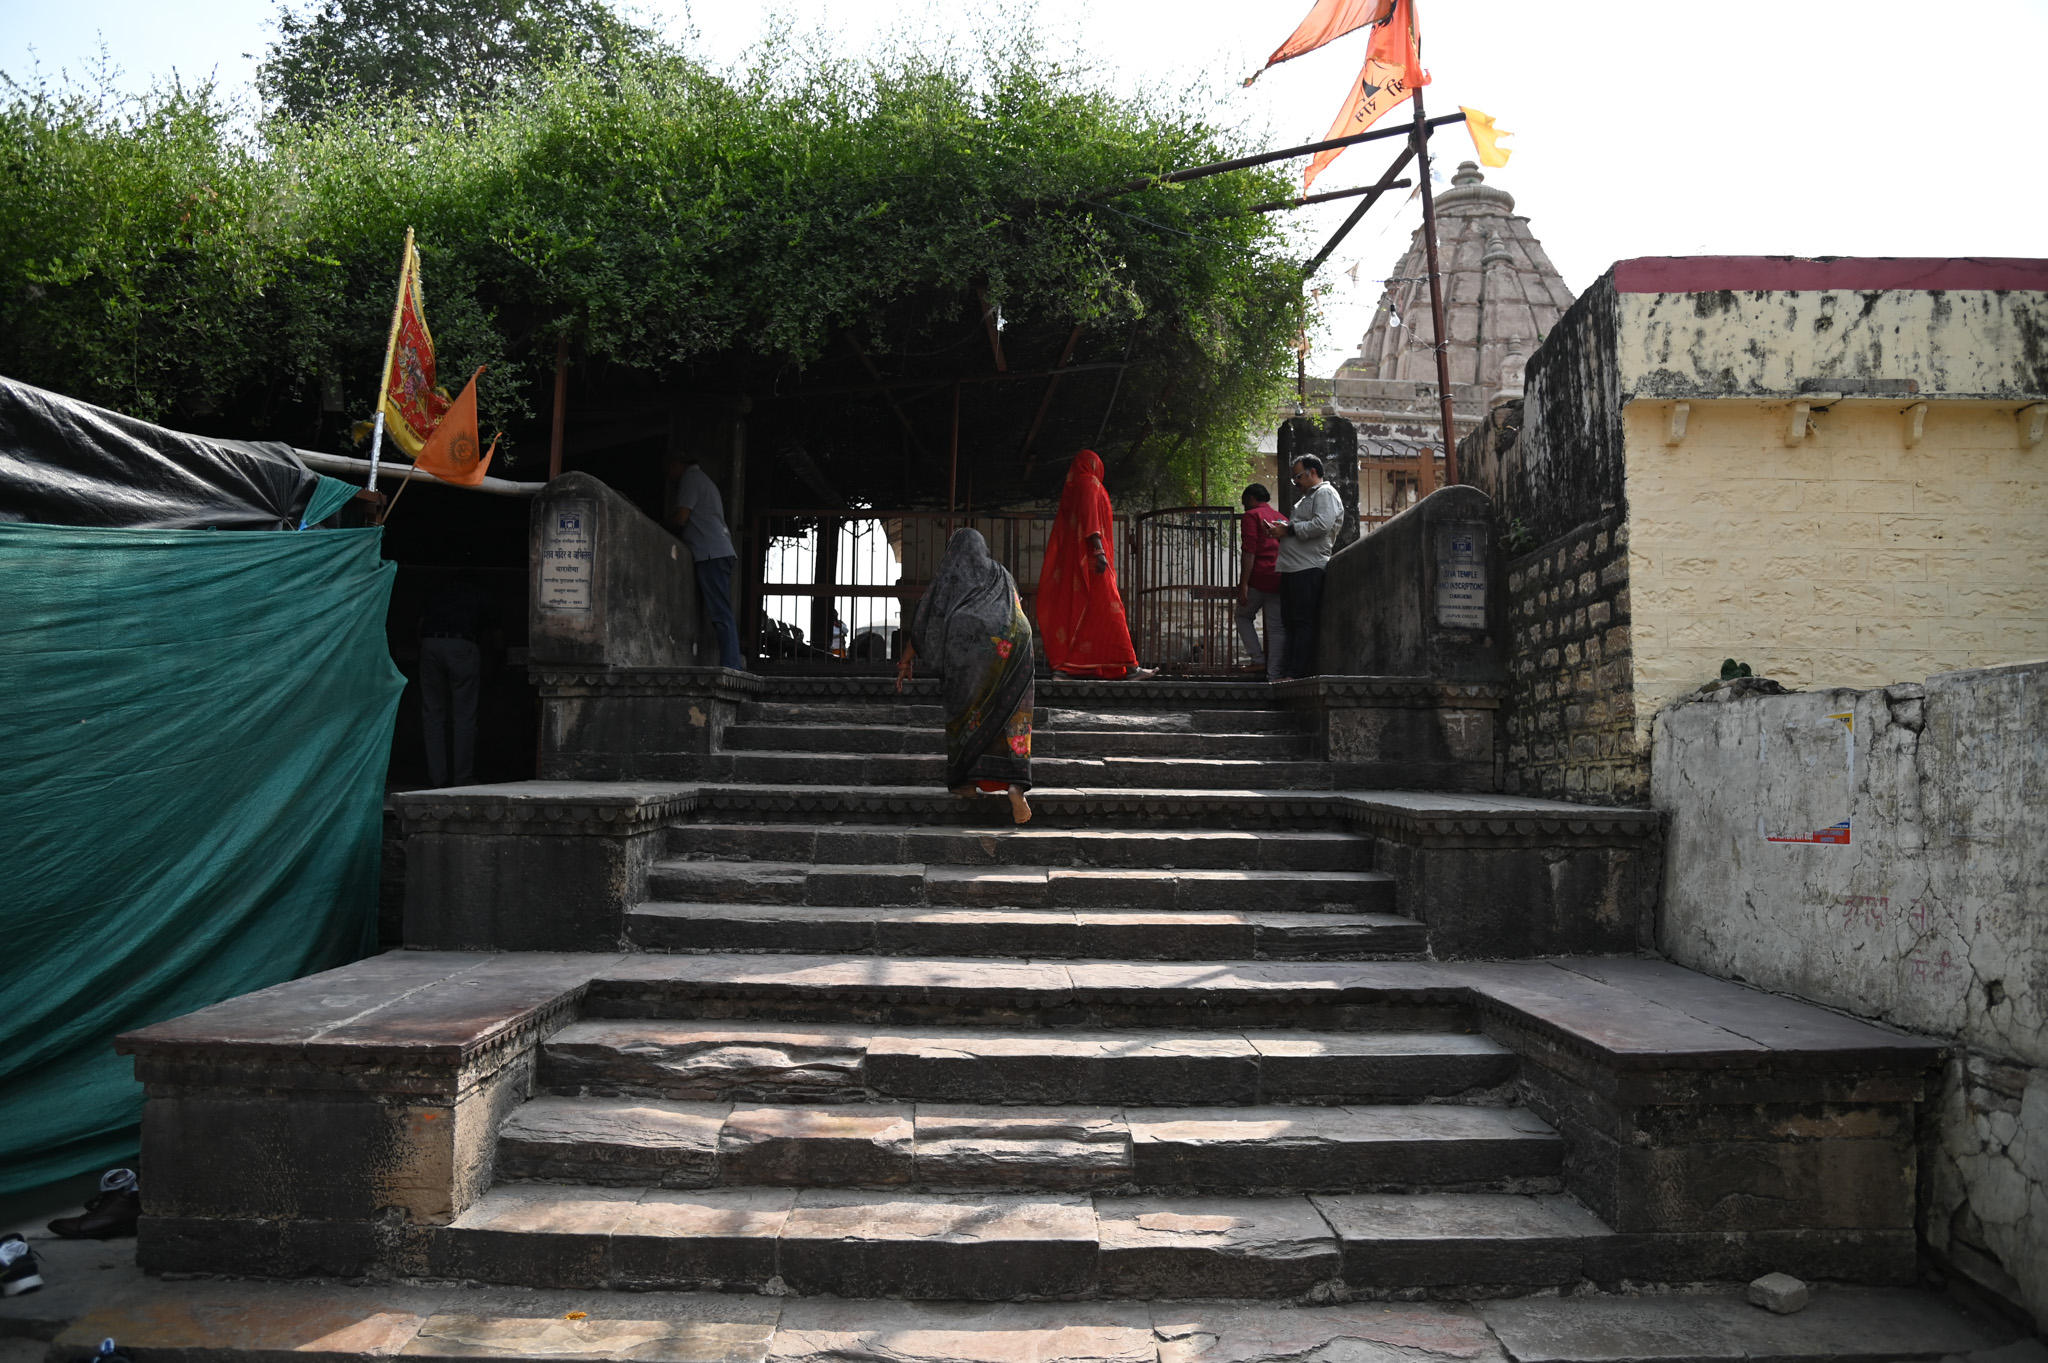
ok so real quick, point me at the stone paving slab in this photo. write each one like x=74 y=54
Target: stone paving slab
x=1843 y=1326
x=262 y=1322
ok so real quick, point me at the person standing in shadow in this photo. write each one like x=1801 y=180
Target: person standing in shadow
x=460 y=618
x=697 y=511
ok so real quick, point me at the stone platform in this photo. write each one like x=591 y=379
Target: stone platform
x=852 y=1125
x=214 y=1321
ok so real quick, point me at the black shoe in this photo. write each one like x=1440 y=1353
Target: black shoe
x=20 y=1270
x=110 y=1216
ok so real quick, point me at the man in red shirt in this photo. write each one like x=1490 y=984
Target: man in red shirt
x=1258 y=584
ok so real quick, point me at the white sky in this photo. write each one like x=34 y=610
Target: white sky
x=1644 y=127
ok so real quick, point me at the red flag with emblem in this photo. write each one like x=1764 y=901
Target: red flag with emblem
x=412 y=405
x=1392 y=72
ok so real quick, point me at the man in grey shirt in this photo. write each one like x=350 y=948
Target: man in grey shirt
x=696 y=509
x=1306 y=541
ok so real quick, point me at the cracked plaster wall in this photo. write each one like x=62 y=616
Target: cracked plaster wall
x=1932 y=916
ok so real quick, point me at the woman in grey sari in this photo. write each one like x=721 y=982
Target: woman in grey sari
x=970 y=625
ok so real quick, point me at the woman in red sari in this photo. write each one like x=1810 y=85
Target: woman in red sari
x=1080 y=613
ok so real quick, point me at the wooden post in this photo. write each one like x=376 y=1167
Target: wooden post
x=1426 y=479
x=561 y=406
x=953 y=470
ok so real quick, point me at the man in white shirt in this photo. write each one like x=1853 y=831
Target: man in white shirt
x=696 y=509
x=1307 y=539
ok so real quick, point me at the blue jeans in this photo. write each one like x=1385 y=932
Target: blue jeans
x=714 y=584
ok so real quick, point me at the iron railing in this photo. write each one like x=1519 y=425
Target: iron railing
x=836 y=587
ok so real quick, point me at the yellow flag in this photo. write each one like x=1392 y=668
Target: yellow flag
x=1486 y=138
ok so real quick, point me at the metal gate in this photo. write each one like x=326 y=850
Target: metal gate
x=1182 y=599
x=835 y=588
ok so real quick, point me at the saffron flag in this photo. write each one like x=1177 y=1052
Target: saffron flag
x=1392 y=72
x=412 y=405
x=1486 y=138
x=450 y=453
x=1328 y=21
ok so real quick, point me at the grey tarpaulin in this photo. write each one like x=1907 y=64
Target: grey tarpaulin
x=66 y=462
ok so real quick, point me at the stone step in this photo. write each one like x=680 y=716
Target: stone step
x=1280 y=849
x=1114 y=773
x=706 y=1060
x=919 y=741
x=670 y=1144
x=928 y=805
x=1005 y=1246
x=1048 y=932
x=867 y=884
x=1346 y=997
x=926 y=715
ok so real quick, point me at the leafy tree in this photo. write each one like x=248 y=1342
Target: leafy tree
x=439 y=54
x=710 y=232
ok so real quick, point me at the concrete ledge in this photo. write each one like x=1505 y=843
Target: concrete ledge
x=532 y=865
x=636 y=723
x=1506 y=876
x=1408 y=732
x=371 y=1091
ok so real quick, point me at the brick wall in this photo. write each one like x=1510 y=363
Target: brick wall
x=1571 y=729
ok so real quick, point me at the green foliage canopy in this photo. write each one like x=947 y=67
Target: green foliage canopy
x=443 y=55
x=706 y=229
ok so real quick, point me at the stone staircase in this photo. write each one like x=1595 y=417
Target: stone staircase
x=874 y=738
x=1205 y=1028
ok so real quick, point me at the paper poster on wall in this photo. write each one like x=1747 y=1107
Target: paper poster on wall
x=1809 y=781
x=566 y=543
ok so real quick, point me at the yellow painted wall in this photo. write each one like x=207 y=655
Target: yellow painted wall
x=1847 y=559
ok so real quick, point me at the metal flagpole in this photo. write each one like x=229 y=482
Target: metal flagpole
x=390 y=349
x=1425 y=479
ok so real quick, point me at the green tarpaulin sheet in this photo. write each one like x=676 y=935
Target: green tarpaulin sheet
x=192 y=755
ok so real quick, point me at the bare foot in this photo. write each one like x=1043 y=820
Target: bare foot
x=1020 y=808
x=1141 y=674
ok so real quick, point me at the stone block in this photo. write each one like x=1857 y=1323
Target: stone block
x=975 y=1248
x=859 y=1145
x=612 y=1140
x=531 y=866
x=1779 y=1293
x=721 y=1239
x=1367 y=1065
x=1057 y=1147
x=1213 y=1246
x=705 y=1061
x=534 y=1236
x=1464 y=1240
x=1517 y=882
x=1064 y=1067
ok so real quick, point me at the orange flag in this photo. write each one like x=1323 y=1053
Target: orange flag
x=1392 y=71
x=450 y=453
x=412 y=405
x=1327 y=22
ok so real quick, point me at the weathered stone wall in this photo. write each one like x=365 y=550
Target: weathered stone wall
x=1879 y=851
x=1860 y=554
x=1571 y=729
